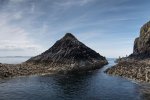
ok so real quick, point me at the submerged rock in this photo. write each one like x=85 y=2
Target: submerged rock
x=137 y=65
x=67 y=55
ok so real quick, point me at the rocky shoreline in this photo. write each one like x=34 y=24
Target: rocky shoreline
x=12 y=70
x=137 y=65
x=136 y=70
x=67 y=55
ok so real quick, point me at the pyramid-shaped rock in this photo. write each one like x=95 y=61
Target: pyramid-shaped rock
x=69 y=54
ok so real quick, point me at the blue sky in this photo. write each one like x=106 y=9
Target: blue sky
x=29 y=27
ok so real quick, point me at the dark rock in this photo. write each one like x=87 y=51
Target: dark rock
x=69 y=54
x=142 y=43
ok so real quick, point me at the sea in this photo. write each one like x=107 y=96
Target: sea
x=92 y=85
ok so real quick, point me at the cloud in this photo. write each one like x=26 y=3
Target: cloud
x=70 y=3
x=15 y=38
x=16 y=1
x=28 y=26
x=18 y=15
x=32 y=8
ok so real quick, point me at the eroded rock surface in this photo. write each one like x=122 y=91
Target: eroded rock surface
x=142 y=43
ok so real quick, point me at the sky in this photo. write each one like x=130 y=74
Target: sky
x=29 y=27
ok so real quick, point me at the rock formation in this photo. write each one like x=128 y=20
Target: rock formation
x=67 y=55
x=137 y=65
x=142 y=43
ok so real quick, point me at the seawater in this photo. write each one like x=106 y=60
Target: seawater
x=92 y=85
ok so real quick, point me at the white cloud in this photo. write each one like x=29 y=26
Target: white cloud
x=69 y=3
x=18 y=15
x=16 y=1
x=15 y=38
x=25 y=21
x=32 y=8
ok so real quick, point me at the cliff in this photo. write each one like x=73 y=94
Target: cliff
x=142 y=43
x=137 y=65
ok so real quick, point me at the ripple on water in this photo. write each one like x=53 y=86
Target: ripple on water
x=93 y=85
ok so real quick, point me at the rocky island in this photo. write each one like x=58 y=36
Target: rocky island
x=67 y=55
x=137 y=65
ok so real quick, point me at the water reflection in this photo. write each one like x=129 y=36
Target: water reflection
x=69 y=86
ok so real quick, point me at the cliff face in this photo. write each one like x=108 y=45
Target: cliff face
x=137 y=65
x=69 y=54
x=142 y=43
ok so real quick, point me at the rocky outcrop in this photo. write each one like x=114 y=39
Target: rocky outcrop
x=142 y=43
x=137 y=65
x=12 y=70
x=134 y=69
x=67 y=55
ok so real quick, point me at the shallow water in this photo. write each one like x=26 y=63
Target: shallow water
x=94 y=85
